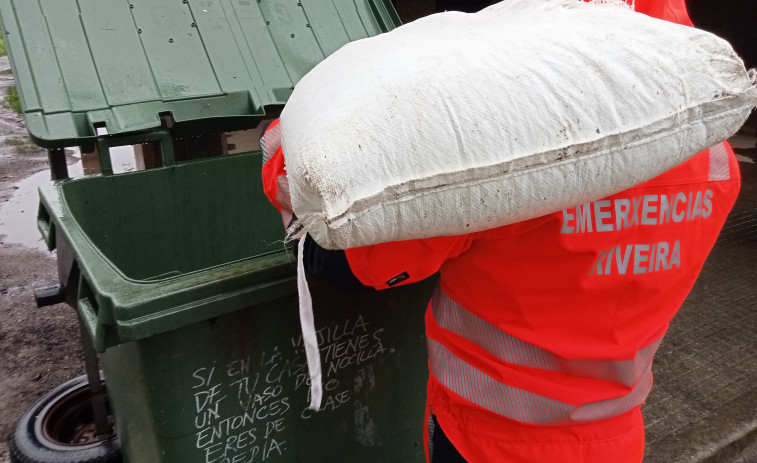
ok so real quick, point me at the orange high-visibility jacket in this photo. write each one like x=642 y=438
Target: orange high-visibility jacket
x=541 y=334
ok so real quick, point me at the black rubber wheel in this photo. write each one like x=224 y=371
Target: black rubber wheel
x=59 y=428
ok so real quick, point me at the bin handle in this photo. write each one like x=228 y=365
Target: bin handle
x=105 y=143
x=46 y=227
x=91 y=323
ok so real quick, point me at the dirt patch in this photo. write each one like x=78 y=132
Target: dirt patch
x=39 y=348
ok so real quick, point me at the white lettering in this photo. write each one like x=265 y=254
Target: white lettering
x=679 y=216
x=622 y=208
x=566 y=217
x=636 y=210
x=617 y=214
x=623 y=260
x=675 y=259
x=203 y=380
x=597 y=270
x=277 y=446
x=602 y=211
x=238 y=368
x=647 y=209
x=640 y=258
x=647 y=258
x=274 y=426
x=207 y=398
x=665 y=207
x=661 y=262
x=583 y=219
x=248 y=428
x=213 y=452
x=697 y=209
x=707 y=204
x=608 y=262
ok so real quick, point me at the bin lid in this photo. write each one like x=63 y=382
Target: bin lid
x=209 y=65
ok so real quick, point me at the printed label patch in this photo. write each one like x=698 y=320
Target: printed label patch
x=398 y=279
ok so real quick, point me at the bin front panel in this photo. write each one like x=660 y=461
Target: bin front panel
x=170 y=221
x=235 y=388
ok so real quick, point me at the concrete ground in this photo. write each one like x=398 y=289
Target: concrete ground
x=39 y=348
x=703 y=407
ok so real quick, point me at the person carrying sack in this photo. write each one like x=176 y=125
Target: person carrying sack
x=541 y=334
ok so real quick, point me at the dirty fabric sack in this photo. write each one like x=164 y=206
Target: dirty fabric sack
x=462 y=122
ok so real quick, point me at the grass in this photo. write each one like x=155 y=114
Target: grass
x=11 y=99
x=22 y=145
x=15 y=141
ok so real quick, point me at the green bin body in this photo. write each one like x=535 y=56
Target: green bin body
x=186 y=287
x=179 y=274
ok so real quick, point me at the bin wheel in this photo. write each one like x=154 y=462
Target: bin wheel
x=59 y=428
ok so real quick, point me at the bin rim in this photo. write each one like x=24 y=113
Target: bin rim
x=76 y=231
x=131 y=309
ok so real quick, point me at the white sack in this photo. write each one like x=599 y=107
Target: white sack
x=462 y=122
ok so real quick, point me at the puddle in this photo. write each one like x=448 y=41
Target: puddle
x=10 y=122
x=745 y=147
x=743 y=141
x=18 y=216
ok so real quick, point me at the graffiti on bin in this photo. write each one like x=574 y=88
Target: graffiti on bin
x=259 y=389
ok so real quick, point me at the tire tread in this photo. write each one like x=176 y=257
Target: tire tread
x=25 y=447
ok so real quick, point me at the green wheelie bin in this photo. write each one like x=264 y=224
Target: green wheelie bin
x=184 y=288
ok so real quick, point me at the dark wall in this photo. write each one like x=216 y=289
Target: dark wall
x=469 y=6
x=410 y=10
x=733 y=20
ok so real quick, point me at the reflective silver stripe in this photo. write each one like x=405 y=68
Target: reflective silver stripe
x=719 y=166
x=453 y=317
x=283 y=197
x=521 y=405
x=270 y=142
x=430 y=443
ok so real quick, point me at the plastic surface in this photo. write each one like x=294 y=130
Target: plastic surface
x=236 y=386
x=213 y=66
x=184 y=284
x=154 y=245
x=188 y=291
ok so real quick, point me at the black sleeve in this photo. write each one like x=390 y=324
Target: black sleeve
x=329 y=265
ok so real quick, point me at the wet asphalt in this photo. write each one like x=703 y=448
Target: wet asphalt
x=703 y=407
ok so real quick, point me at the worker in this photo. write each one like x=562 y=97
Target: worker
x=541 y=334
